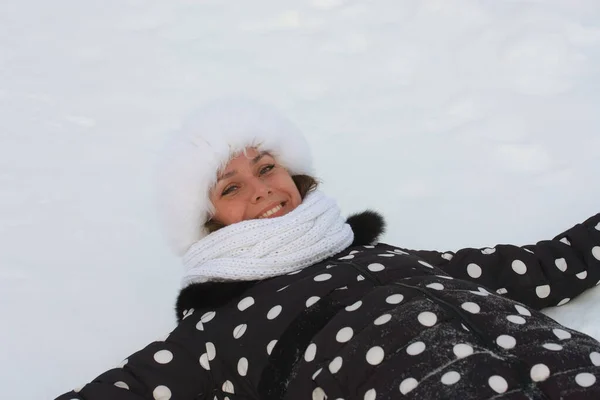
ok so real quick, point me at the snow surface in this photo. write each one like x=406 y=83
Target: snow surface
x=467 y=123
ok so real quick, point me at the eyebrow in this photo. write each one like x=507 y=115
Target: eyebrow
x=253 y=162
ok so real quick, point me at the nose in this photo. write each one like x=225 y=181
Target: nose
x=261 y=190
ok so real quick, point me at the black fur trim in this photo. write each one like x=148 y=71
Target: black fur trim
x=367 y=227
x=209 y=295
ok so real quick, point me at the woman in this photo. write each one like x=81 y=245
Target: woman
x=283 y=299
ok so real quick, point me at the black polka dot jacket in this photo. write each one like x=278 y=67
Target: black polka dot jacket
x=380 y=322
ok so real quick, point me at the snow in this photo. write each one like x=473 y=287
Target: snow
x=466 y=123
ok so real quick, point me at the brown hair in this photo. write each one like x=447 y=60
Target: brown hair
x=304 y=183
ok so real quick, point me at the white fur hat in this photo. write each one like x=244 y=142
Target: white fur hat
x=203 y=145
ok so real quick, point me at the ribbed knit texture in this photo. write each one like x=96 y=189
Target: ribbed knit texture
x=263 y=248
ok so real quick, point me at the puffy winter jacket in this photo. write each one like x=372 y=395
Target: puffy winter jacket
x=381 y=322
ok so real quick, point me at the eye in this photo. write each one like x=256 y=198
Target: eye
x=266 y=168
x=228 y=190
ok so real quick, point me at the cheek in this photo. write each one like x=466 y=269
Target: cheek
x=229 y=212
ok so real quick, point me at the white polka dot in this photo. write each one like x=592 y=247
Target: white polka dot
x=208 y=316
x=552 y=346
x=506 y=341
x=122 y=385
x=204 y=362
x=77 y=390
x=228 y=387
x=598 y=226
x=582 y=275
x=427 y=318
x=370 y=395
x=474 y=270
x=385 y=255
x=317 y=372
x=368 y=246
x=211 y=351
x=522 y=310
x=465 y=328
x=595 y=358
x=408 y=384
x=565 y=241
x=245 y=303
x=318 y=394
x=163 y=356
x=376 y=267
x=447 y=256
x=348 y=257
x=563 y=301
x=488 y=250
x=539 y=373
x=310 y=353
x=295 y=272
x=473 y=308
x=322 y=277
x=480 y=292
x=394 y=299
x=312 y=300
x=415 y=348
x=123 y=363
x=561 y=334
x=398 y=251
x=445 y=277
x=515 y=319
x=161 y=393
x=242 y=366
x=270 y=346
x=596 y=252
x=598 y=283
x=436 y=286
x=542 y=291
x=502 y=291
x=450 y=378
x=425 y=264
x=385 y=318
x=561 y=264
x=529 y=251
x=335 y=365
x=519 y=267
x=360 y=278
x=344 y=335
x=354 y=306
x=498 y=384
x=239 y=331
x=187 y=313
x=274 y=312
x=462 y=350
x=585 y=379
x=375 y=355
x=283 y=288
x=200 y=326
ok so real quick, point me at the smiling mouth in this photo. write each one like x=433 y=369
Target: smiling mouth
x=272 y=211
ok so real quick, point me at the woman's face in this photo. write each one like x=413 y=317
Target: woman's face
x=253 y=186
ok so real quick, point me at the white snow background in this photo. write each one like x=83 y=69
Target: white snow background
x=466 y=123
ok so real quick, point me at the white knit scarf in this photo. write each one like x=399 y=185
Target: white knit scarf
x=263 y=248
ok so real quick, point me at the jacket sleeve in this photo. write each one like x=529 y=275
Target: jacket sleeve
x=168 y=369
x=549 y=273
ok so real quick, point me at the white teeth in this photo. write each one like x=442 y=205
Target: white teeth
x=271 y=212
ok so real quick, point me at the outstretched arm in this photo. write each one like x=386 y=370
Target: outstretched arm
x=546 y=274
x=168 y=369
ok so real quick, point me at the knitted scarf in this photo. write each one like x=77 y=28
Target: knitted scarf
x=263 y=248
